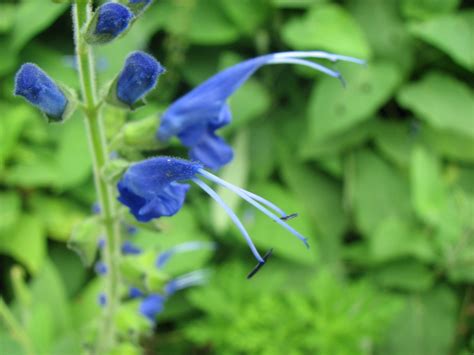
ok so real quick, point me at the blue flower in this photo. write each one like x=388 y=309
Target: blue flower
x=109 y=21
x=138 y=76
x=196 y=116
x=40 y=90
x=134 y=292
x=151 y=305
x=138 y=6
x=150 y=189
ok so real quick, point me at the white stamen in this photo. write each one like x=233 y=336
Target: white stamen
x=231 y=214
x=319 y=54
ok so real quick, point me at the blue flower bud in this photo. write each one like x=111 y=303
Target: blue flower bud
x=100 y=268
x=138 y=76
x=40 y=90
x=108 y=22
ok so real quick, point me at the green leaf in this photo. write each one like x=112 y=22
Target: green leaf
x=451 y=34
x=328 y=27
x=210 y=26
x=375 y=190
x=442 y=101
x=10 y=210
x=427 y=8
x=344 y=141
x=26 y=242
x=428 y=191
x=296 y=3
x=58 y=215
x=334 y=109
x=321 y=199
x=395 y=140
x=396 y=238
x=248 y=15
x=85 y=238
x=406 y=274
x=453 y=145
x=385 y=30
x=426 y=326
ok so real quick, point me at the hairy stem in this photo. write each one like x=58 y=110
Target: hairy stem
x=98 y=149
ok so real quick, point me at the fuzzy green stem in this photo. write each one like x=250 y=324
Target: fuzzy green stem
x=98 y=148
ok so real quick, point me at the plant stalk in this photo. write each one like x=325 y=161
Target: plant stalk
x=98 y=149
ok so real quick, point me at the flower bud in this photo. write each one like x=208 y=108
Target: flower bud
x=40 y=90
x=108 y=22
x=138 y=76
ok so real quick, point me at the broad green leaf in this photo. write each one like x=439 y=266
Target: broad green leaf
x=428 y=191
x=385 y=30
x=296 y=3
x=328 y=27
x=9 y=345
x=70 y=268
x=426 y=326
x=396 y=238
x=451 y=34
x=452 y=145
x=7 y=17
x=40 y=326
x=334 y=109
x=26 y=242
x=48 y=292
x=10 y=210
x=251 y=101
x=424 y=9
x=28 y=23
x=248 y=15
x=59 y=216
x=321 y=198
x=262 y=150
x=315 y=149
x=85 y=238
x=442 y=101
x=236 y=172
x=395 y=140
x=209 y=25
x=375 y=190
x=404 y=274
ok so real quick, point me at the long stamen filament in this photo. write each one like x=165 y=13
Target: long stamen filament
x=235 y=189
x=232 y=216
x=265 y=202
x=319 y=54
x=164 y=257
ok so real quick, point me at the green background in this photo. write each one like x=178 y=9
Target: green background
x=381 y=173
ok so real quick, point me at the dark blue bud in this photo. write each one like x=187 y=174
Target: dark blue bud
x=138 y=6
x=100 y=268
x=129 y=249
x=102 y=299
x=40 y=90
x=134 y=292
x=151 y=306
x=138 y=76
x=109 y=21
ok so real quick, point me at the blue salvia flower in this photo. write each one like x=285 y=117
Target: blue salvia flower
x=150 y=189
x=108 y=22
x=165 y=256
x=196 y=116
x=39 y=89
x=100 y=268
x=151 y=305
x=138 y=76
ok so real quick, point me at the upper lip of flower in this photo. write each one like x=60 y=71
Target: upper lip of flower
x=204 y=105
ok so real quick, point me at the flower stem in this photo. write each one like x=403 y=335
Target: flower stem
x=98 y=149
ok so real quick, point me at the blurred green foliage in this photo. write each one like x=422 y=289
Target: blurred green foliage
x=381 y=173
